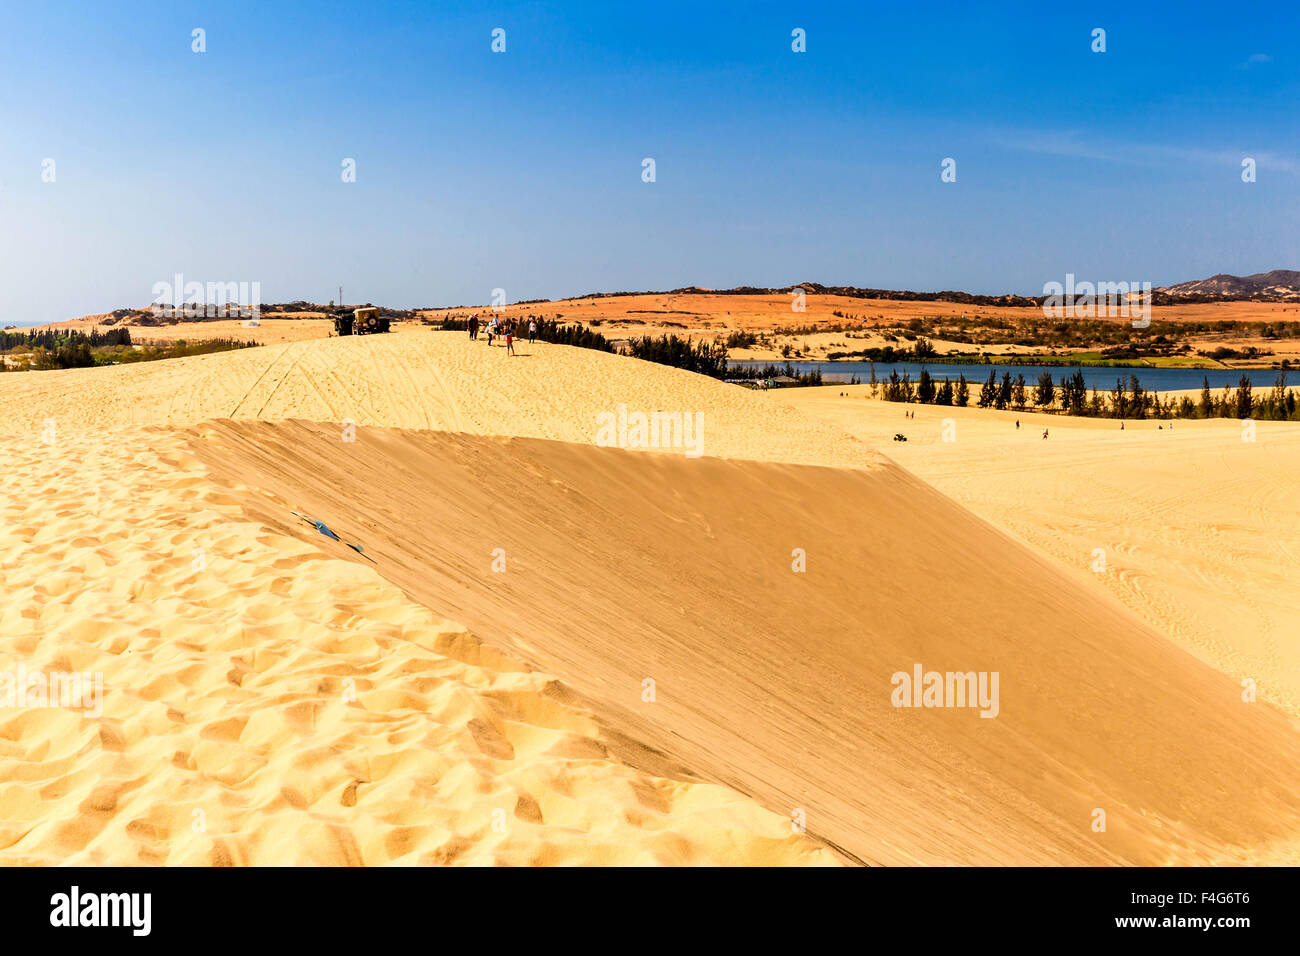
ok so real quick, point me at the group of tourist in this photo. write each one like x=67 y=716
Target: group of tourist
x=496 y=328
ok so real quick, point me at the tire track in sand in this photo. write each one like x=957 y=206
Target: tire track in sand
x=414 y=405
x=269 y=365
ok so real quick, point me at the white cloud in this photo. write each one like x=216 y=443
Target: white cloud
x=1075 y=144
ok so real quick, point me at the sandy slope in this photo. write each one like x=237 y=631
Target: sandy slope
x=265 y=703
x=621 y=566
x=1199 y=530
x=420 y=379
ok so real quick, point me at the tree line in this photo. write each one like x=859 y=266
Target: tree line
x=48 y=349
x=760 y=373
x=1128 y=399
x=53 y=339
x=548 y=330
x=705 y=358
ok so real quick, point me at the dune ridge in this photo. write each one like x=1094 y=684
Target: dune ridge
x=622 y=567
x=424 y=380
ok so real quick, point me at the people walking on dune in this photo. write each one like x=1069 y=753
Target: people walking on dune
x=473 y=326
x=1017 y=424
x=510 y=340
x=532 y=331
x=1044 y=434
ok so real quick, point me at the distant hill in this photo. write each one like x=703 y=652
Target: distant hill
x=1278 y=285
x=816 y=288
x=153 y=316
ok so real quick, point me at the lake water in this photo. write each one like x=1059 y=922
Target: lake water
x=1157 y=379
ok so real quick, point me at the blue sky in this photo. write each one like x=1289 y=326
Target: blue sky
x=522 y=170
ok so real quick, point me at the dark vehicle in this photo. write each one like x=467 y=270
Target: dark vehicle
x=364 y=321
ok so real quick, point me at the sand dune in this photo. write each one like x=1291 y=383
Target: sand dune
x=265 y=703
x=772 y=687
x=420 y=379
x=1198 y=530
x=623 y=567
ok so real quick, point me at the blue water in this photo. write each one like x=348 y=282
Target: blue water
x=1157 y=379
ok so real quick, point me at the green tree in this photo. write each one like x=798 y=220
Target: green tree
x=1018 y=398
x=925 y=388
x=1243 y=401
x=1137 y=397
x=1074 y=393
x=1004 y=392
x=1206 y=407
x=1044 y=391
x=905 y=388
x=1118 y=399
x=1277 y=401
x=962 y=395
